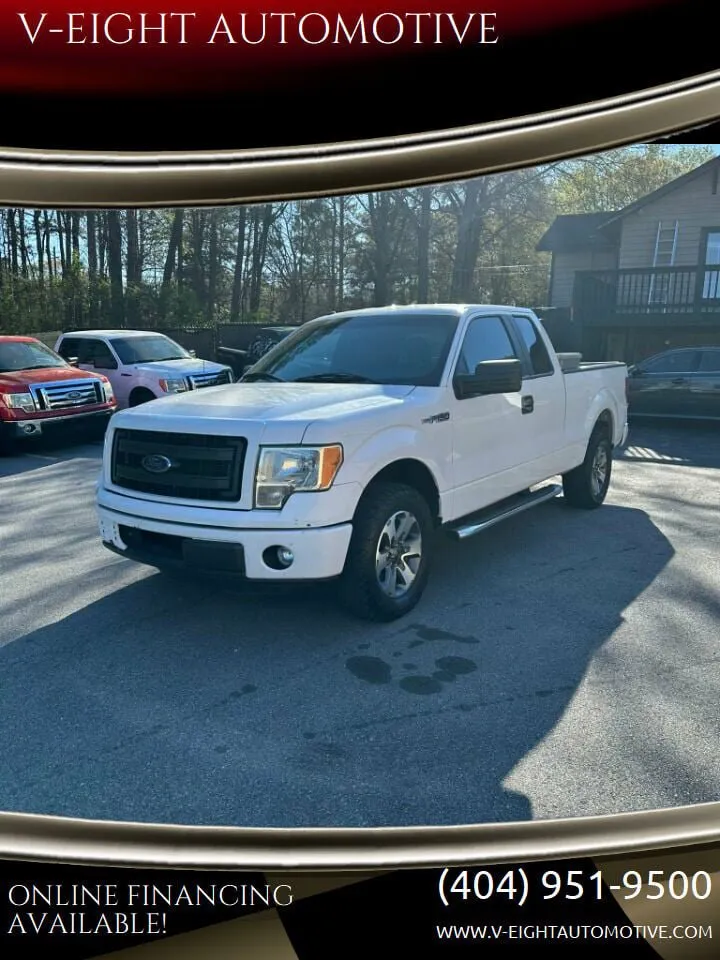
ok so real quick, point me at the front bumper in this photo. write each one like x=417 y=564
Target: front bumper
x=318 y=553
x=36 y=426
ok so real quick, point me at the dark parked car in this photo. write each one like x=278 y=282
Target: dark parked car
x=683 y=383
x=265 y=339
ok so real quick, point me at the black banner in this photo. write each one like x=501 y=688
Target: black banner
x=434 y=87
x=571 y=907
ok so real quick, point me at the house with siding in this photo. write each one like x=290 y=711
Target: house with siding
x=629 y=283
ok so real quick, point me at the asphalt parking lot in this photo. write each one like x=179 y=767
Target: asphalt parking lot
x=561 y=664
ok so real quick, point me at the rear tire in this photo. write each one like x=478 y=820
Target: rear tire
x=388 y=560
x=586 y=486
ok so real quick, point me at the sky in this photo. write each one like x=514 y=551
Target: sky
x=679 y=146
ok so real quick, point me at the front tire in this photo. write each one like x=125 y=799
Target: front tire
x=8 y=444
x=140 y=395
x=96 y=429
x=586 y=486
x=388 y=561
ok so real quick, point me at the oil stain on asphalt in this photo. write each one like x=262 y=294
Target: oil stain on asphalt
x=375 y=670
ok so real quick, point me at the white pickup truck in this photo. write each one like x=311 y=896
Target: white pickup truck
x=346 y=449
x=140 y=364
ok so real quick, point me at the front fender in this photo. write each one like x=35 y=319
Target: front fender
x=147 y=382
x=365 y=456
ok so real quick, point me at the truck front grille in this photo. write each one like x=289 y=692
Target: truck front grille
x=189 y=466
x=197 y=381
x=68 y=394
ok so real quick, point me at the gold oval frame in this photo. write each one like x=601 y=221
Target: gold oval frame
x=36 y=178
x=45 y=839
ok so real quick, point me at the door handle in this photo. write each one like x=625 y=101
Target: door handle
x=679 y=380
x=527 y=404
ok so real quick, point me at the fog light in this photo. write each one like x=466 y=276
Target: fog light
x=285 y=556
x=29 y=428
x=278 y=558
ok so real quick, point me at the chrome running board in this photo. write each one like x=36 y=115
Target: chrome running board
x=484 y=519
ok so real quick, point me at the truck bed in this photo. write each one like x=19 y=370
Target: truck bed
x=573 y=363
x=585 y=382
x=601 y=365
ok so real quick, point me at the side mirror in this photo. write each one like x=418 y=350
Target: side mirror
x=192 y=354
x=73 y=361
x=490 y=377
x=635 y=371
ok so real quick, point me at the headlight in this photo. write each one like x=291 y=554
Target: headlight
x=20 y=401
x=282 y=471
x=107 y=390
x=177 y=385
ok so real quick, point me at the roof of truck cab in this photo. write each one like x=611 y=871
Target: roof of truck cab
x=444 y=308
x=114 y=333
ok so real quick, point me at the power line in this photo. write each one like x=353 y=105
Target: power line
x=516 y=266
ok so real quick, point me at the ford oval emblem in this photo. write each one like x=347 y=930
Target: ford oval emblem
x=75 y=395
x=156 y=463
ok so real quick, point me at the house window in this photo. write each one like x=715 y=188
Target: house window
x=711 y=279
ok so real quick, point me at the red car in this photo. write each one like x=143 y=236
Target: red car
x=41 y=391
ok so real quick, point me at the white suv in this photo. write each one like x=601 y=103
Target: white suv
x=140 y=364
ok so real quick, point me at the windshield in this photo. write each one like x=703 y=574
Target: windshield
x=392 y=348
x=150 y=349
x=16 y=355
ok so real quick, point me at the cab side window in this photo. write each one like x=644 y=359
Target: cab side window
x=486 y=338
x=540 y=361
x=100 y=355
x=79 y=348
x=88 y=350
x=69 y=347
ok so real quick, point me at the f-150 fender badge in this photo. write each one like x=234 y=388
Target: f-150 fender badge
x=437 y=418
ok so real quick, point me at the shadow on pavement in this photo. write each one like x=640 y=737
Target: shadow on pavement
x=176 y=701
x=31 y=455
x=693 y=443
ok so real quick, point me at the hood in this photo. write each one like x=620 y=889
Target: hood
x=179 y=368
x=276 y=411
x=280 y=401
x=23 y=378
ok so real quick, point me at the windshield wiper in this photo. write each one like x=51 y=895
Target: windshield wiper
x=250 y=377
x=334 y=378
x=40 y=366
x=162 y=359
